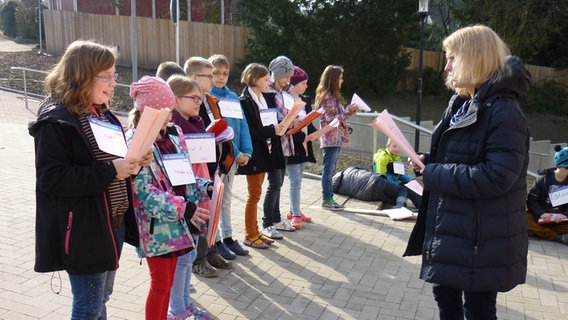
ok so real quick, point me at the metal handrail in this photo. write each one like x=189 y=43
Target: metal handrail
x=361 y=114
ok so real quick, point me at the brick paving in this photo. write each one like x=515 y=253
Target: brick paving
x=344 y=265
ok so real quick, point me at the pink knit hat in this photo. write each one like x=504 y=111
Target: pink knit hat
x=152 y=92
x=298 y=76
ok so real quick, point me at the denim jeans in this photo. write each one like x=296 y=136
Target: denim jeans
x=271 y=205
x=477 y=305
x=330 y=156
x=225 y=226
x=295 y=172
x=92 y=291
x=179 y=296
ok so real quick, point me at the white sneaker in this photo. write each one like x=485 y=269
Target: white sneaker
x=271 y=233
x=284 y=226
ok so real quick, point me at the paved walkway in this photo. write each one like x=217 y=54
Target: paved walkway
x=344 y=265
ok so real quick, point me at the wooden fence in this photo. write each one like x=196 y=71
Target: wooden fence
x=155 y=37
x=156 y=42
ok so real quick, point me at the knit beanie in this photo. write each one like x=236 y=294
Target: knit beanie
x=281 y=67
x=299 y=76
x=152 y=92
x=561 y=156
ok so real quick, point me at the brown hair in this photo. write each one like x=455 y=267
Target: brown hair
x=195 y=64
x=181 y=85
x=220 y=60
x=71 y=79
x=329 y=83
x=167 y=69
x=253 y=72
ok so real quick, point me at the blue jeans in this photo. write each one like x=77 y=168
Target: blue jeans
x=271 y=205
x=92 y=291
x=179 y=296
x=330 y=156
x=225 y=226
x=477 y=305
x=295 y=172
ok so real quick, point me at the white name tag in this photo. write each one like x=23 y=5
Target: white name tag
x=268 y=117
x=231 y=109
x=201 y=147
x=288 y=100
x=398 y=167
x=109 y=137
x=178 y=169
x=559 y=196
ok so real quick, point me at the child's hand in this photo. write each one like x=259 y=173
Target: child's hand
x=279 y=130
x=199 y=217
x=124 y=167
x=146 y=159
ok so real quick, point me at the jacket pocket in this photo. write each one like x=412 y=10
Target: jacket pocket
x=68 y=231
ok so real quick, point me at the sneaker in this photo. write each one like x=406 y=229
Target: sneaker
x=237 y=248
x=192 y=288
x=284 y=226
x=271 y=233
x=225 y=252
x=302 y=216
x=331 y=205
x=184 y=315
x=297 y=222
x=198 y=314
x=205 y=270
x=218 y=262
x=562 y=238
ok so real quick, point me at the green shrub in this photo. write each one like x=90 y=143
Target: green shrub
x=8 y=18
x=548 y=97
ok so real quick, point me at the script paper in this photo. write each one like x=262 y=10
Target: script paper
x=146 y=132
x=314 y=114
x=399 y=213
x=551 y=220
x=315 y=135
x=291 y=116
x=415 y=186
x=386 y=125
x=360 y=103
x=214 y=211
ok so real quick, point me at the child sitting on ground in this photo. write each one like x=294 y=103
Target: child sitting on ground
x=387 y=162
x=547 y=220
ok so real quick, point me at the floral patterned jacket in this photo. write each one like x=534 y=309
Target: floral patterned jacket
x=159 y=211
x=339 y=136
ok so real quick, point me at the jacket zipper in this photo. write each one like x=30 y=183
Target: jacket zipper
x=68 y=231
x=475 y=231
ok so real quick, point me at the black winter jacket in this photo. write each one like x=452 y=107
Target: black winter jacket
x=262 y=159
x=538 y=201
x=472 y=228
x=73 y=227
x=303 y=154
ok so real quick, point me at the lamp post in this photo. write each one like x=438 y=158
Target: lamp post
x=422 y=13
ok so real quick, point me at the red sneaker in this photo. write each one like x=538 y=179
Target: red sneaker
x=302 y=216
x=297 y=222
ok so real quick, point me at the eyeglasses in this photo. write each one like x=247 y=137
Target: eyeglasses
x=196 y=99
x=220 y=74
x=210 y=76
x=107 y=78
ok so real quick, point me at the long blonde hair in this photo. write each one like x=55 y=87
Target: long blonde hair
x=329 y=83
x=71 y=79
x=479 y=56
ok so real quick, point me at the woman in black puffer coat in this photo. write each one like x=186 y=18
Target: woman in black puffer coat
x=471 y=228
